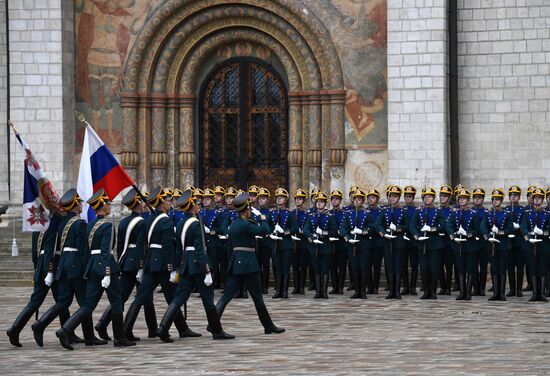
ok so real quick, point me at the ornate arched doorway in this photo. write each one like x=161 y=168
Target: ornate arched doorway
x=243 y=126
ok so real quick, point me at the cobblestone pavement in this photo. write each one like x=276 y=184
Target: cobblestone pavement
x=334 y=336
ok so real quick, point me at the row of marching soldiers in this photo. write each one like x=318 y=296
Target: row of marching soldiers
x=82 y=261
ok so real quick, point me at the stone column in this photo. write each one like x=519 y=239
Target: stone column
x=158 y=157
x=313 y=112
x=186 y=152
x=4 y=167
x=295 y=158
x=337 y=140
x=129 y=156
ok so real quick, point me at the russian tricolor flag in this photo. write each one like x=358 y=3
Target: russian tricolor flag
x=99 y=169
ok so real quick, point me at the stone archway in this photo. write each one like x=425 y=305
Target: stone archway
x=160 y=87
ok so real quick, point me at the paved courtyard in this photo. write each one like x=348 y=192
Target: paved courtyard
x=335 y=336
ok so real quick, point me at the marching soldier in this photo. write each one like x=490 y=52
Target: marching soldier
x=194 y=271
x=212 y=219
x=243 y=265
x=264 y=249
x=355 y=231
x=426 y=225
x=339 y=246
x=500 y=230
x=300 y=258
x=44 y=245
x=462 y=228
x=159 y=265
x=69 y=276
x=480 y=273
x=516 y=258
x=284 y=226
x=230 y=214
x=392 y=224
x=130 y=251
x=376 y=243
x=101 y=265
x=535 y=227
x=411 y=251
x=446 y=280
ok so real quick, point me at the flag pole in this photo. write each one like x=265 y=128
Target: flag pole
x=14 y=247
x=80 y=116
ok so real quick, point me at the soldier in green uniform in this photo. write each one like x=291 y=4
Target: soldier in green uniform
x=69 y=274
x=101 y=265
x=194 y=271
x=130 y=251
x=243 y=265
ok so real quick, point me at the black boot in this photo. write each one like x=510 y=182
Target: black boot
x=448 y=282
x=390 y=286
x=303 y=277
x=311 y=280
x=89 y=336
x=462 y=286
x=40 y=325
x=286 y=279
x=502 y=286
x=18 y=325
x=363 y=289
x=443 y=281
x=150 y=320
x=215 y=325
x=542 y=297
x=130 y=320
x=265 y=319
x=278 y=290
x=265 y=281
x=519 y=285
x=166 y=323
x=181 y=325
x=496 y=288
x=351 y=286
x=405 y=276
x=414 y=279
x=426 y=287
x=433 y=288
x=63 y=317
x=101 y=326
x=357 y=284
x=396 y=293
x=118 y=332
x=376 y=280
x=341 y=280
x=512 y=282
x=318 y=293
x=469 y=286
x=297 y=280
x=324 y=292
x=64 y=333
x=533 y=284
x=483 y=281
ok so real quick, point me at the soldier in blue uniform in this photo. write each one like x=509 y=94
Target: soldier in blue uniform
x=516 y=257
x=101 y=265
x=340 y=252
x=463 y=227
x=376 y=243
x=130 y=247
x=355 y=230
x=392 y=224
x=426 y=225
x=263 y=246
x=529 y=206
x=45 y=247
x=243 y=265
x=349 y=207
x=411 y=251
x=312 y=209
x=159 y=265
x=284 y=226
x=198 y=195
x=500 y=230
x=194 y=271
x=253 y=191
x=446 y=280
x=300 y=258
x=480 y=273
x=319 y=228
x=69 y=274
x=219 y=193
x=535 y=226
x=212 y=219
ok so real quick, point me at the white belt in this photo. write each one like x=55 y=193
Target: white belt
x=189 y=248
x=132 y=246
x=95 y=251
x=155 y=246
x=41 y=252
x=70 y=249
x=246 y=249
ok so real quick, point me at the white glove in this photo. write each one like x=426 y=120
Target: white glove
x=317 y=241
x=537 y=230
x=425 y=228
x=357 y=231
x=206 y=230
x=279 y=229
x=275 y=237
x=423 y=238
x=106 y=281
x=511 y=236
x=222 y=237
x=353 y=241
x=494 y=229
x=295 y=238
x=258 y=237
x=208 y=279
x=388 y=236
x=516 y=225
x=461 y=231
x=173 y=276
x=393 y=227
x=493 y=240
x=319 y=231
x=459 y=240
x=139 y=275
x=333 y=239
x=49 y=279
x=405 y=237
x=256 y=212
x=534 y=241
